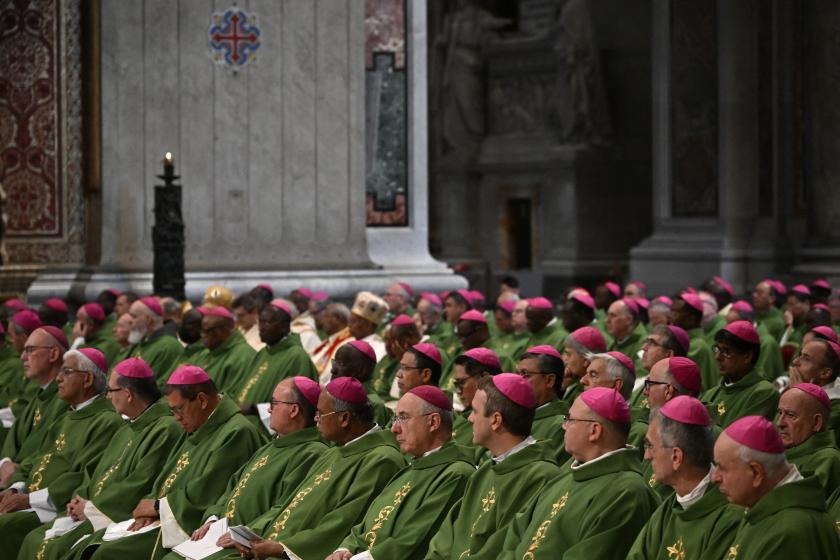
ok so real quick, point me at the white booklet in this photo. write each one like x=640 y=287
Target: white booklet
x=120 y=530
x=243 y=535
x=364 y=555
x=61 y=526
x=196 y=550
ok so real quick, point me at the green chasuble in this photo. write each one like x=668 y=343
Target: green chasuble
x=124 y=474
x=228 y=362
x=638 y=428
x=383 y=377
x=712 y=328
x=270 y=366
x=548 y=427
x=789 y=522
x=751 y=395
x=74 y=447
x=818 y=455
x=511 y=344
x=702 y=355
x=105 y=344
x=773 y=321
x=12 y=380
x=333 y=497
x=476 y=524
x=595 y=512
x=192 y=354
x=382 y=415
x=192 y=479
x=402 y=519
x=573 y=391
x=834 y=417
x=704 y=530
x=631 y=345
x=834 y=508
x=462 y=434
x=32 y=428
x=441 y=334
x=161 y=351
x=552 y=334
x=769 y=362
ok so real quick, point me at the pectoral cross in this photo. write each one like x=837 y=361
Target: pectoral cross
x=677 y=550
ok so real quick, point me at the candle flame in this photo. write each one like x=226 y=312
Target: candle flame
x=168 y=157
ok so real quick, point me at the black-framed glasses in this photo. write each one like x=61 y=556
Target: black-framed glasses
x=651 y=342
x=649 y=383
x=725 y=352
x=402 y=418
x=64 y=370
x=272 y=403
x=406 y=368
x=566 y=419
x=30 y=349
x=109 y=390
x=526 y=373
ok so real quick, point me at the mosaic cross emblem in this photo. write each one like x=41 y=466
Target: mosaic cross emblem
x=234 y=37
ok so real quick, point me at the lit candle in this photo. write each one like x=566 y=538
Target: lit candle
x=167 y=159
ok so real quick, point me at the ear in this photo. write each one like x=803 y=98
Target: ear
x=295 y=411
x=757 y=472
x=434 y=422
x=551 y=380
x=426 y=375
x=496 y=421
x=618 y=384
x=677 y=458
x=596 y=430
x=818 y=421
x=202 y=400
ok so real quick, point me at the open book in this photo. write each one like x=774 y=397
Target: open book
x=196 y=550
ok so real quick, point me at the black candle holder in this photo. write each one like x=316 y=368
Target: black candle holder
x=168 y=235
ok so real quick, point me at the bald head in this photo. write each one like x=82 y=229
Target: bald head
x=42 y=357
x=744 y=475
x=800 y=417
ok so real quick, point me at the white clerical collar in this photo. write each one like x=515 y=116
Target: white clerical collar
x=81 y=405
x=544 y=405
x=375 y=428
x=554 y=320
x=45 y=385
x=578 y=465
x=833 y=389
x=515 y=449
x=430 y=451
x=792 y=476
x=699 y=491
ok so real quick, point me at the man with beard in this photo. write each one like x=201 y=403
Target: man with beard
x=150 y=341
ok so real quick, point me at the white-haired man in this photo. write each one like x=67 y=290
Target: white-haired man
x=613 y=370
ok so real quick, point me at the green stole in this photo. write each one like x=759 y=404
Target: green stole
x=477 y=523
x=226 y=363
x=704 y=530
x=383 y=377
x=790 y=521
x=333 y=497
x=702 y=355
x=818 y=455
x=751 y=395
x=400 y=522
x=31 y=429
x=595 y=511
x=271 y=365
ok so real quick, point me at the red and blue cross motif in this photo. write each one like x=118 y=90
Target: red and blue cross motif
x=234 y=37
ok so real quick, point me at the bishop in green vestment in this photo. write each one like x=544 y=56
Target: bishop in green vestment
x=697 y=521
x=625 y=327
x=228 y=354
x=543 y=367
x=543 y=325
x=506 y=339
x=503 y=411
x=767 y=314
x=42 y=358
x=128 y=466
x=218 y=441
x=596 y=510
x=469 y=368
x=339 y=487
x=742 y=390
x=803 y=427
x=91 y=320
x=47 y=479
x=357 y=359
x=150 y=340
x=786 y=514
x=400 y=335
x=473 y=333
x=400 y=522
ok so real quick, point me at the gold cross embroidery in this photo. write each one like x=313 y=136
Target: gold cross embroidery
x=231 y=509
x=113 y=468
x=251 y=382
x=38 y=475
x=36 y=418
x=733 y=552
x=677 y=550
x=180 y=465
x=559 y=505
x=652 y=481
x=489 y=500
x=280 y=524
x=721 y=410
x=384 y=513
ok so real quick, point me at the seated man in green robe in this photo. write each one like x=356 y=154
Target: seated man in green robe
x=228 y=355
x=543 y=367
x=765 y=301
x=742 y=390
x=687 y=313
x=663 y=341
x=507 y=340
x=402 y=519
x=150 y=340
x=803 y=427
x=217 y=440
x=339 y=487
x=42 y=358
x=282 y=357
x=596 y=509
x=420 y=365
x=578 y=347
x=90 y=321
x=612 y=370
x=400 y=335
x=770 y=362
x=622 y=324
x=697 y=521
x=357 y=359
x=542 y=324
x=126 y=471
x=819 y=363
x=277 y=468
x=786 y=514
x=470 y=367
x=472 y=332
x=503 y=411
x=45 y=481
x=12 y=383
x=189 y=332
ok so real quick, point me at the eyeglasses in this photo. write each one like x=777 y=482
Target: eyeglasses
x=68 y=370
x=649 y=383
x=526 y=374
x=272 y=403
x=31 y=349
x=109 y=390
x=651 y=342
x=725 y=352
x=402 y=418
x=566 y=419
x=405 y=367
x=319 y=414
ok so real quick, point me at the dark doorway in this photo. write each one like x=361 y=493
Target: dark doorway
x=519 y=233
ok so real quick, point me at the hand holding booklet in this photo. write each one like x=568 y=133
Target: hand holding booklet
x=243 y=535
x=204 y=547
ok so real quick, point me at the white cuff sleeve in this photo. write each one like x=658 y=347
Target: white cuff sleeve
x=43 y=505
x=211 y=519
x=171 y=532
x=20 y=486
x=98 y=519
x=5 y=460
